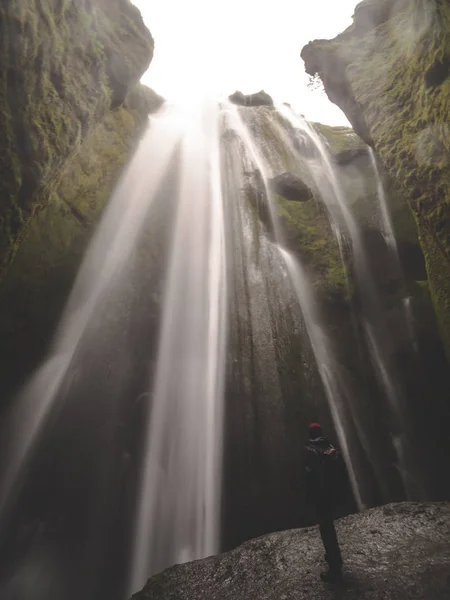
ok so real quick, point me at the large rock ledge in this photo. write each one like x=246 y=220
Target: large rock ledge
x=395 y=552
x=390 y=73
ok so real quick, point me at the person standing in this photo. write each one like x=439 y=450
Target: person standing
x=323 y=464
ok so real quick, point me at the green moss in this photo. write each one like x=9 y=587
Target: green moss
x=272 y=132
x=61 y=67
x=340 y=138
x=439 y=282
x=36 y=286
x=309 y=234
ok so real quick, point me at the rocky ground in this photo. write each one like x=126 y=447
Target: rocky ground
x=398 y=552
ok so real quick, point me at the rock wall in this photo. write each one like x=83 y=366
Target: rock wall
x=270 y=406
x=63 y=66
x=71 y=111
x=390 y=74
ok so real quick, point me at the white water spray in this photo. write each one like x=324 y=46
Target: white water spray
x=179 y=503
x=104 y=264
x=332 y=194
x=328 y=370
x=386 y=221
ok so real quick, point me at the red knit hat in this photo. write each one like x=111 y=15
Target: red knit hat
x=315 y=430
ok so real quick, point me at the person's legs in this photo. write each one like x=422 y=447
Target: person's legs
x=330 y=542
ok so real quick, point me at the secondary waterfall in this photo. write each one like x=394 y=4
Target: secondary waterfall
x=268 y=160
x=387 y=227
x=377 y=337
x=105 y=263
x=197 y=344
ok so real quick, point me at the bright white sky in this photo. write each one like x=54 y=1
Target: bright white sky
x=218 y=47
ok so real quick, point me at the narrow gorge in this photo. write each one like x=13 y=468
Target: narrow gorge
x=185 y=286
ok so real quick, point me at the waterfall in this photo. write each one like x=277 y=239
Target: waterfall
x=168 y=420
x=265 y=160
x=386 y=221
x=387 y=229
x=409 y=316
x=73 y=422
x=377 y=337
x=179 y=503
x=335 y=388
x=105 y=263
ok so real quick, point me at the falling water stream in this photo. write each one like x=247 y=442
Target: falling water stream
x=377 y=337
x=178 y=508
x=387 y=227
x=179 y=503
x=265 y=162
x=182 y=257
x=104 y=265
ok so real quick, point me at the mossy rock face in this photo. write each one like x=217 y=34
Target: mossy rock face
x=307 y=228
x=308 y=234
x=63 y=65
x=389 y=73
x=35 y=288
x=341 y=139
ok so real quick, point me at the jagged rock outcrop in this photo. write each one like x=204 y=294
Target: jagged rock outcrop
x=260 y=98
x=71 y=111
x=63 y=66
x=389 y=72
x=396 y=552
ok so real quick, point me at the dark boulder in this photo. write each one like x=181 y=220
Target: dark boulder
x=290 y=187
x=261 y=98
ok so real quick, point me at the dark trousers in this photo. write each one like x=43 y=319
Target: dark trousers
x=328 y=535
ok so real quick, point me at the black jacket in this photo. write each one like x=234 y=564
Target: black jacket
x=323 y=466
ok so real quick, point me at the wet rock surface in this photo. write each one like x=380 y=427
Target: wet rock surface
x=290 y=187
x=347 y=157
x=390 y=77
x=398 y=552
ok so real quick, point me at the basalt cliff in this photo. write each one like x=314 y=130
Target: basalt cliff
x=390 y=73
